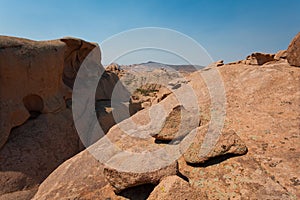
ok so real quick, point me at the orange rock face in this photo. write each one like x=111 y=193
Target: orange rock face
x=261 y=118
x=293 y=51
x=35 y=76
x=262 y=109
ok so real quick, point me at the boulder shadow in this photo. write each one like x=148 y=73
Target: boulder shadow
x=214 y=161
x=140 y=192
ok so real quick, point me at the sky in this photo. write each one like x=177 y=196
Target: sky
x=228 y=29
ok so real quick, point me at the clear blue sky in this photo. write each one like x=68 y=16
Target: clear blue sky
x=228 y=29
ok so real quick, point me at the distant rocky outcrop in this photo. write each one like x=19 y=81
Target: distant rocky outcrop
x=115 y=68
x=259 y=58
x=282 y=54
x=148 y=83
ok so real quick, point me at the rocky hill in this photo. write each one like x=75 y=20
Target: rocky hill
x=236 y=136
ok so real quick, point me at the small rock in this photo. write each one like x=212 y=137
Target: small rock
x=219 y=63
x=282 y=54
x=174 y=187
x=227 y=143
x=214 y=64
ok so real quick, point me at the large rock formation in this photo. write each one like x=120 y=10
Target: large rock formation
x=34 y=76
x=293 y=51
x=268 y=123
x=265 y=120
x=34 y=150
x=37 y=131
x=262 y=115
x=76 y=178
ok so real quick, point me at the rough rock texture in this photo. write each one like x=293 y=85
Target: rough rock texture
x=228 y=143
x=219 y=63
x=177 y=124
x=35 y=149
x=124 y=137
x=33 y=77
x=20 y=195
x=46 y=86
x=149 y=94
x=259 y=58
x=263 y=108
x=37 y=131
x=77 y=50
x=115 y=68
x=174 y=187
x=293 y=51
x=282 y=54
x=122 y=180
x=78 y=177
x=106 y=85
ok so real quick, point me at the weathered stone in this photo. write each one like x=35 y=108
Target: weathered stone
x=282 y=54
x=34 y=77
x=20 y=195
x=178 y=123
x=259 y=115
x=259 y=58
x=227 y=143
x=219 y=63
x=35 y=149
x=267 y=121
x=79 y=176
x=121 y=180
x=174 y=187
x=293 y=51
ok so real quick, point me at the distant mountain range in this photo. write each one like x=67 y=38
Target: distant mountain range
x=150 y=66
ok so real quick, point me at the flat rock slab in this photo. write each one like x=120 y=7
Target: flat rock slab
x=121 y=180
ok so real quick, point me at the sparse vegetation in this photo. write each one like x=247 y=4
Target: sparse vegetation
x=146 y=92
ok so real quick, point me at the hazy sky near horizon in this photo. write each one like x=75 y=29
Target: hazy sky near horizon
x=228 y=30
